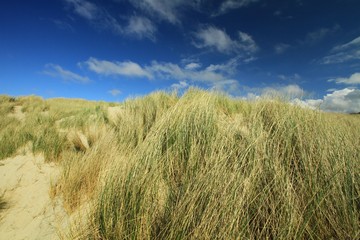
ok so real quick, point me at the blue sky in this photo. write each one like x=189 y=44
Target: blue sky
x=114 y=49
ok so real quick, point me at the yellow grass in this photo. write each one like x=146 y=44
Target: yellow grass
x=199 y=166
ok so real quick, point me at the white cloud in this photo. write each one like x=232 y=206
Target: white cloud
x=192 y=66
x=84 y=8
x=114 y=92
x=352 y=80
x=213 y=76
x=212 y=37
x=180 y=86
x=345 y=100
x=228 y=5
x=57 y=71
x=343 y=53
x=281 y=48
x=126 y=68
x=141 y=27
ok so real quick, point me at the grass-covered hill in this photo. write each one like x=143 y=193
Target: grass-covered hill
x=199 y=166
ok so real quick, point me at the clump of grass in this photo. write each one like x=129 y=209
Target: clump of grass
x=138 y=116
x=33 y=104
x=211 y=168
x=82 y=170
x=7 y=104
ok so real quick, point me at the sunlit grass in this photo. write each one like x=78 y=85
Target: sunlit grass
x=199 y=166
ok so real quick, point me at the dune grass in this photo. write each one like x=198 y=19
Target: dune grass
x=199 y=166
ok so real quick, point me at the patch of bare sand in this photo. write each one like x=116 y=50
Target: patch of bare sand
x=29 y=211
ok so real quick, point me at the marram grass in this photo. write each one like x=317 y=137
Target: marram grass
x=199 y=166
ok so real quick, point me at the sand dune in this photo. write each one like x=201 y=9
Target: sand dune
x=29 y=212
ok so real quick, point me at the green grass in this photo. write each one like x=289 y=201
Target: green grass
x=199 y=166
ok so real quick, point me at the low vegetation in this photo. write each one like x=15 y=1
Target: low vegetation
x=199 y=166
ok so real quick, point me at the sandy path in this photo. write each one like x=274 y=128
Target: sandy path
x=29 y=213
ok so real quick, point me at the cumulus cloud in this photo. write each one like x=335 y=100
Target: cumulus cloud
x=228 y=5
x=114 y=92
x=344 y=53
x=108 y=68
x=215 y=38
x=141 y=27
x=352 y=80
x=281 y=48
x=57 y=71
x=346 y=100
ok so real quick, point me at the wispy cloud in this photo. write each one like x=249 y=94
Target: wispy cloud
x=291 y=78
x=280 y=48
x=137 y=26
x=181 y=85
x=289 y=91
x=208 y=76
x=63 y=25
x=57 y=71
x=228 y=5
x=320 y=34
x=215 y=38
x=192 y=66
x=84 y=8
x=228 y=68
x=343 y=53
x=114 y=92
x=163 y=9
x=354 y=79
x=108 y=68
x=141 y=27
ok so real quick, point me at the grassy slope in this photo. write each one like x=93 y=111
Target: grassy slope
x=201 y=166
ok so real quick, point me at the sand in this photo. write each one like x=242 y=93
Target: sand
x=29 y=212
